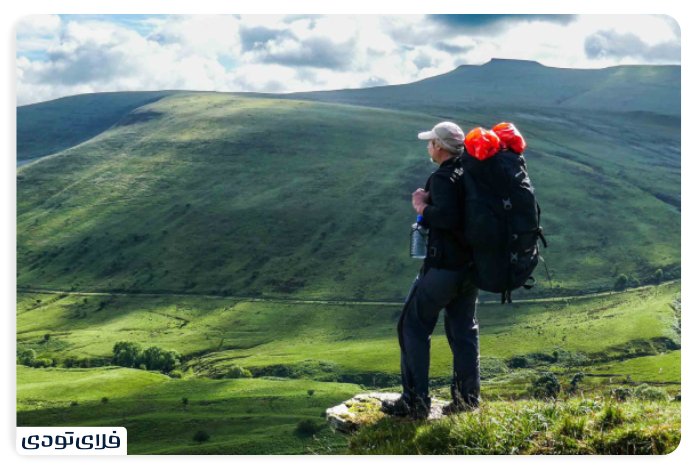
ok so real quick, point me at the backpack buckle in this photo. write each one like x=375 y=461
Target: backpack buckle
x=507 y=204
x=513 y=257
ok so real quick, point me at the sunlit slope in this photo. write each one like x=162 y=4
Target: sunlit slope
x=49 y=127
x=347 y=341
x=217 y=193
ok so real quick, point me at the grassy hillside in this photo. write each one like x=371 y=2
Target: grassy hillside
x=576 y=426
x=246 y=416
x=304 y=356
x=53 y=126
x=352 y=342
x=217 y=193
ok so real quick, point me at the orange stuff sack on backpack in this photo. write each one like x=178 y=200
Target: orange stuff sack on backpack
x=510 y=137
x=481 y=143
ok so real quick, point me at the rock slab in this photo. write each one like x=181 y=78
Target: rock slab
x=366 y=408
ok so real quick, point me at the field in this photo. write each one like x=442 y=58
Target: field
x=183 y=197
x=337 y=350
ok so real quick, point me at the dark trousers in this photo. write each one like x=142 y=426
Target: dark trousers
x=433 y=290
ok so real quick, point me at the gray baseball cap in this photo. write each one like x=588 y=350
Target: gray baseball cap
x=448 y=134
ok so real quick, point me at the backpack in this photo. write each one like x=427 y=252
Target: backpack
x=501 y=215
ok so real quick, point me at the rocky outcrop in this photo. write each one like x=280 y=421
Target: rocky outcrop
x=366 y=408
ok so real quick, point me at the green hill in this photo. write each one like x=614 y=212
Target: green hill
x=49 y=127
x=228 y=194
x=519 y=83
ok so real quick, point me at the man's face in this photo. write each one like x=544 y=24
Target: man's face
x=431 y=151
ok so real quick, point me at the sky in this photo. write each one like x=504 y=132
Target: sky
x=62 y=55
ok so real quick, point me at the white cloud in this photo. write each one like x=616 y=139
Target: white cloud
x=37 y=32
x=61 y=56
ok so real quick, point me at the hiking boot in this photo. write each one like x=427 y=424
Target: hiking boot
x=420 y=410
x=399 y=407
x=405 y=408
x=455 y=408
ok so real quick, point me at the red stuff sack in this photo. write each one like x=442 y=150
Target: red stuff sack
x=510 y=137
x=481 y=143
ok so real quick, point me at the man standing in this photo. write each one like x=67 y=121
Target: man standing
x=444 y=281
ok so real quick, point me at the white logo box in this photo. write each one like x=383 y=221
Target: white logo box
x=72 y=441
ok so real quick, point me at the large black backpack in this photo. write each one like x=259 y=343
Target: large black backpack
x=501 y=221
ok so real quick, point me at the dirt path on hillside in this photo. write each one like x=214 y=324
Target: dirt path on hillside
x=318 y=301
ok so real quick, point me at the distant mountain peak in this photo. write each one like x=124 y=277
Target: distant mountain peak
x=504 y=61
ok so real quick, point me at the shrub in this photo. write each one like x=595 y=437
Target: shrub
x=310 y=392
x=621 y=394
x=175 y=374
x=237 y=372
x=42 y=362
x=126 y=354
x=517 y=362
x=69 y=362
x=184 y=401
x=658 y=276
x=26 y=357
x=201 y=436
x=155 y=358
x=307 y=427
x=646 y=392
x=621 y=282
x=575 y=382
x=104 y=400
x=546 y=386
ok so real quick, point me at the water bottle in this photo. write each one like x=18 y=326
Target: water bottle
x=419 y=239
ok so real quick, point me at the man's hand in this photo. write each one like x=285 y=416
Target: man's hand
x=419 y=200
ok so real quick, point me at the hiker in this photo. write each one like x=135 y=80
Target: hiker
x=444 y=281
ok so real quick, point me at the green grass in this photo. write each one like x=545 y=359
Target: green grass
x=50 y=127
x=339 y=341
x=577 y=426
x=225 y=194
x=665 y=367
x=245 y=416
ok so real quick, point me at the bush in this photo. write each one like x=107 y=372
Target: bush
x=104 y=400
x=658 y=276
x=176 y=374
x=310 y=392
x=69 y=362
x=237 y=372
x=621 y=282
x=621 y=394
x=575 y=382
x=42 y=362
x=126 y=354
x=307 y=427
x=646 y=392
x=201 y=436
x=546 y=386
x=156 y=358
x=518 y=362
x=26 y=357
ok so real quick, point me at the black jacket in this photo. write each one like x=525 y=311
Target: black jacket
x=443 y=216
